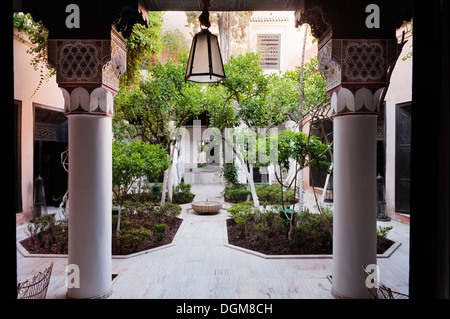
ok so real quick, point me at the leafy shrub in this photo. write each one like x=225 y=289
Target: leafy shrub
x=160 y=230
x=182 y=194
x=241 y=214
x=235 y=195
x=383 y=231
x=245 y=207
x=230 y=174
x=311 y=226
x=48 y=235
x=133 y=237
x=272 y=194
x=170 y=210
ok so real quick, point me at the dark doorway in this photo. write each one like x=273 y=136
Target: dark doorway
x=50 y=140
x=403 y=158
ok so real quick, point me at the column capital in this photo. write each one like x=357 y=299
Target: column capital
x=356 y=72
x=346 y=101
x=88 y=100
x=88 y=71
x=356 y=63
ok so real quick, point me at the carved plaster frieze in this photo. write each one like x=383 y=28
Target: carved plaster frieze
x=80 y=100
x=363 y=100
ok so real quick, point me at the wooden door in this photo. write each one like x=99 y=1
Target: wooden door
x=403 y=158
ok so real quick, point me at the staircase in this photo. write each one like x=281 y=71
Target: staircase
x=209 y=174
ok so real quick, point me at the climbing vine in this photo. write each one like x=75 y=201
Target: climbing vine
x=143 y=45
x=37 y=34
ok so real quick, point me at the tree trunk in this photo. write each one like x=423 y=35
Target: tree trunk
x=223 y=20
x=251 y=183
x=169 y=183
x=119 y=215
x=300 y=122
x=246 y=172
x=163 y=189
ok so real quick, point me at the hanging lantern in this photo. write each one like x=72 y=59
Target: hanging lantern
x=205 y=61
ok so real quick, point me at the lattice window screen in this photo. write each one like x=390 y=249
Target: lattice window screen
x=269 y=47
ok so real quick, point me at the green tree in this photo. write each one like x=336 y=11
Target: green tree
x=130 y=162
x=307 y=151
x=156 y=109
x=174 y=44
x=242 y=100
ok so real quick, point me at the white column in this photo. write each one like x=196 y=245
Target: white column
x=354 y=211
x=90 y=197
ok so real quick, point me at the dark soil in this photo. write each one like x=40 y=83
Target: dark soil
x=278 y=243
x=30 y=243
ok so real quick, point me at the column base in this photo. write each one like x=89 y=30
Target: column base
x=106 y=295
x=338 y=295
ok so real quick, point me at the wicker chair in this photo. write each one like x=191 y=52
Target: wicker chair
x=383 y=292
x=36 y=287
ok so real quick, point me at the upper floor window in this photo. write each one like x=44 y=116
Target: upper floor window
x=269 y=47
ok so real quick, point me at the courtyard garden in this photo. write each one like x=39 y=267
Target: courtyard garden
x=266 y=230
x=143 y=226
x=152 y=109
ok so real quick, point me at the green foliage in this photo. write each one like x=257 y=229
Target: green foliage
x=160 y=230
x=271 y=194
x=236 y=193
x=245 y=207
x=311 y=226
x=383 y=231
x=37 y=35
x=174 y=44
x=142 y=47
x=314 y=93
x=134 y=160
x=409 y=54
x=182 y=194
x=133 y=237
x=230 y=173
x=306 y=149
x=146 y=111
x=170 y=210
x=48 y=235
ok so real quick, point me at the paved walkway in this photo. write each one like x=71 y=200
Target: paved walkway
x=200 y=266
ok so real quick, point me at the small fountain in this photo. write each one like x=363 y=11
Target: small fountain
x=206 y=207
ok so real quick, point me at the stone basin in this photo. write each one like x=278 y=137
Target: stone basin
x=206 y=207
